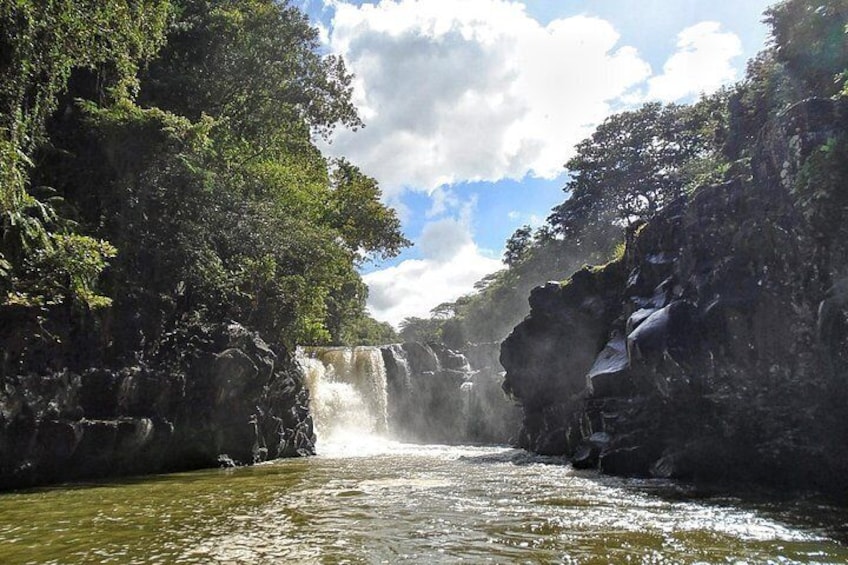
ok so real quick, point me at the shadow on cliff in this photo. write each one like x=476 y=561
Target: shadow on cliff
x=716 y=348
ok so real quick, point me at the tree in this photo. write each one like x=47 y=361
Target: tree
x=255 y=62
x=365 y=330
x=422 y=330
x=355 y=210
x=276 y=234
x=41 y=44
x=211 y=187
x=635 y=163
x=810 y=38
x=632 y=166
x=517 y=246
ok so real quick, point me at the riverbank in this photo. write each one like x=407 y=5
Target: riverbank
x=219 y=397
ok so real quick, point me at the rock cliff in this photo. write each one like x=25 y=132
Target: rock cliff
x=716 y=348
x=230 y=399
x=443 y=396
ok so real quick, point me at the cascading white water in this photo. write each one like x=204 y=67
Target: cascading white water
x=404 y=372
x=436 y=397
x=347 y=386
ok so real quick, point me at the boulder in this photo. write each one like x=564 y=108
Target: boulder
x=609 y=375
x=588 y=453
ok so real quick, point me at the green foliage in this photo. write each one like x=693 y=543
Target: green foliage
x=354 y=209
x=24 y=227
x=636 y=162
x=255 y=62
x=422 y=330
x=66 y=272
x=518 y=245
x=811 y=40
x=766 y=91
x=41 y=44
x=365 y=330
x=820 y=189
x=198 y=235
x=184 y=137
x=808 y=58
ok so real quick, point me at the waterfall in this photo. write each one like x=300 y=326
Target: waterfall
x=411 y=392
x=348 y=390
x=437 y=395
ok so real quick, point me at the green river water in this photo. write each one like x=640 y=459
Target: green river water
x=386 y=502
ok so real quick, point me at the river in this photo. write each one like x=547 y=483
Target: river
x=367 y=499
x=386 y=502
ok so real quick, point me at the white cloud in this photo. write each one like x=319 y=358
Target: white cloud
x=444 y=239
x=702 y=63
x=443 y=199
x=477 y=90
x=533 y=220
x=451 y=265
x=472 y=90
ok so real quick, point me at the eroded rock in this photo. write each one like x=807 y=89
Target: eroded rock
x=733 y=311
x=233 y=396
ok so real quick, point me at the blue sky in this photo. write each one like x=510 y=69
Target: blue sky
x=472 y=107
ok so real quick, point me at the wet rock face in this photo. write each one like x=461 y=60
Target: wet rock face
x=436 y=395
x=699 y=353
x=548 y=356
x=235 y=400
x=424 y=396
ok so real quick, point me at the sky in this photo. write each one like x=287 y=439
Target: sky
x=472 y=107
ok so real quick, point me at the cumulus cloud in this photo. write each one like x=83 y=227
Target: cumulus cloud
x=702 y=63
x=532 y=220
x=472 y=90
x=478 y=90
x=456 y=91
x=452 y=263
x=444 y=239
x=443 y=199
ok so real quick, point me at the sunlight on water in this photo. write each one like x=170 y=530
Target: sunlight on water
x=406 y=503
x=368 y=499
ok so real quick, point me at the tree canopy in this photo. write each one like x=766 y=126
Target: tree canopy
x=165 y=173
x=636 y=162
x=810 y=39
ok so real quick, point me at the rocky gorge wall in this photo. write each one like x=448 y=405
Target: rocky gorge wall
x=717 y=347
x=230 y=400
x=436 y=395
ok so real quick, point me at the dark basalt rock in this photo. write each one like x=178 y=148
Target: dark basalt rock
x=589 y=451
x=425 y=403
x=233 y=398
x=436 y=395
x=609 y=376
x=629 y=461
x=548 y=356
x=716 y=348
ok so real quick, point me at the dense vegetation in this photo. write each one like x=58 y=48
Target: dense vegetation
x=638 y=162
x=158 y=172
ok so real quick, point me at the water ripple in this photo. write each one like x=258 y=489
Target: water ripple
x=405 y=503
